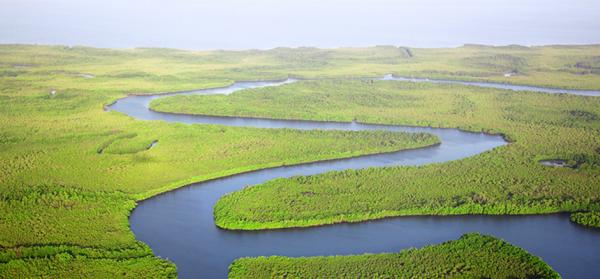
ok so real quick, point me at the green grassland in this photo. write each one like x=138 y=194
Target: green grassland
x=70 y=172
x=471 y=256
x=507 y=180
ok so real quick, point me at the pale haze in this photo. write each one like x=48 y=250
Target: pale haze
x=238 y=24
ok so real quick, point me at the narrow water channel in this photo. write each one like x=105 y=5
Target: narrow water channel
x=506 y=86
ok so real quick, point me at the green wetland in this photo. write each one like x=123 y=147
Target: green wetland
x=471 y=256
x=507 y=180
x=71 y=173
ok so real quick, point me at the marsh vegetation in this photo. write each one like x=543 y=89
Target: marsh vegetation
x=70 y=173
x=471 y=256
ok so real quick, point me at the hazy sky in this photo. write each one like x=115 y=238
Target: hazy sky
x=241 y=24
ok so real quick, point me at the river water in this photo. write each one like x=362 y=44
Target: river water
x=178 y=225
x=506 y=86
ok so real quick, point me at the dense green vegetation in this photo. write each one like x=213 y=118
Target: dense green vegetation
x=507 y=180
x=66 y=266
x=591 y=219
x=151 y=69
x=471 y=256
x=70 y=173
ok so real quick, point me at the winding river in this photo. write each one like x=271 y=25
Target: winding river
x=178 y=225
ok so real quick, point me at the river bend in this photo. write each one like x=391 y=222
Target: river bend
x=178 y=225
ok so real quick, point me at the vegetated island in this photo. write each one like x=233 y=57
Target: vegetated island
x=471 y=256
